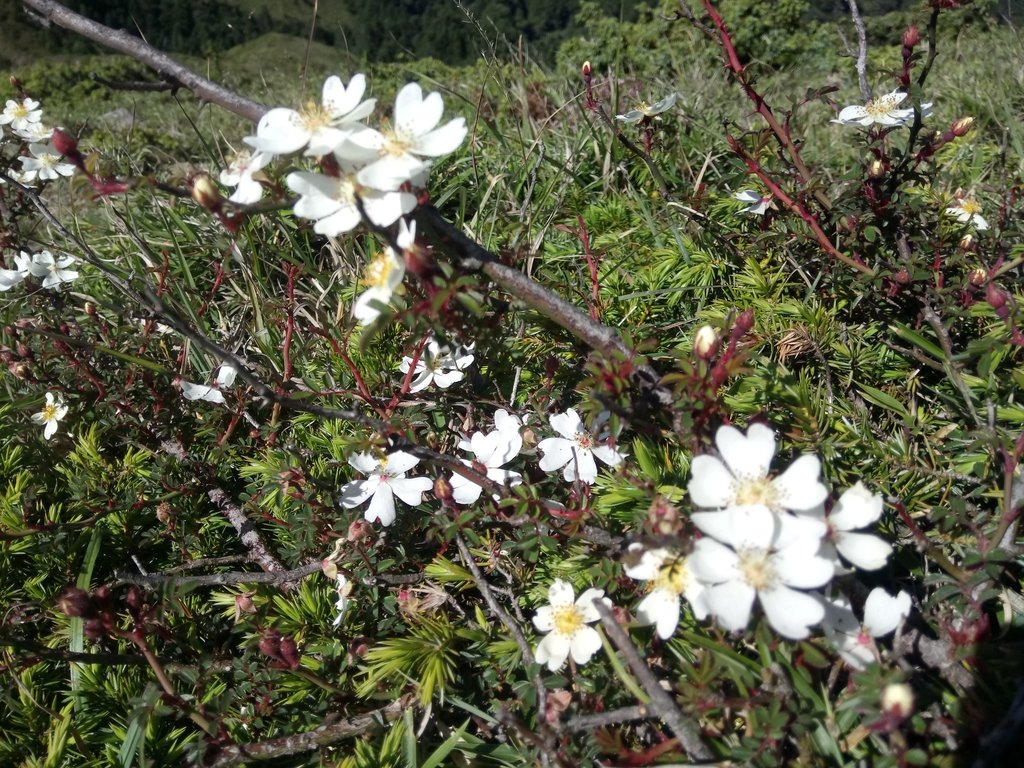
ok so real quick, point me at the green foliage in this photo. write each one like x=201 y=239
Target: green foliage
x=905 y=377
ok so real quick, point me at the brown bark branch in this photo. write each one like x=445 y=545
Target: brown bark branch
x=661 y=704
x=325 y=735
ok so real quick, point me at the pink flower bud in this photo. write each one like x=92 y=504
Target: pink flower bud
x=962 y=126
x=64 y=142
x=911 y=36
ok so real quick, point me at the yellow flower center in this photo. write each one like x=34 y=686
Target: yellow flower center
x=378 y=271
x=19 y=111
x=970 y=206
x=672 y=576
x=50 y=412
x=757 y=568
x=758 y=490
x=567 y=620
x=314 y=117
x=880 y=106
x=396 y=142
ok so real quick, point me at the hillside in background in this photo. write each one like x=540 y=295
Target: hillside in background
x=454 y=32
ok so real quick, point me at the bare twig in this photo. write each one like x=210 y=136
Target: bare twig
x=325 y=735
x=258 y=551
x=862 y=50
x=661 y=704
x=141 y=51
x=279 y=576
x=602 y=719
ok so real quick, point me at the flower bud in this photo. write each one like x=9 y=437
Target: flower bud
x=977 y=277
x=76 y=602
x=586 y=70
x=705 y=342
x=64 y=142
x=15 y=83
x=443 y=488
x=270 y=644
x=967 y=242
x=897 y=700
x=876 y=169
x=290 y=653
x=358 y=530
x=962 y=126
x=205 y=192
x=911 y=36
x=745 y=321
x=164 y=512
x=995 y=296
x=19 y=370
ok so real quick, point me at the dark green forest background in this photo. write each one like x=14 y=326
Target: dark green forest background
x=449 y=30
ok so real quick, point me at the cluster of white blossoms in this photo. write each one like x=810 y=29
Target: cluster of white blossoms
x=41 y=162
x=359 y=163
x=490 y=452
x=884 y=111
x=52 y=271
x=767 y=539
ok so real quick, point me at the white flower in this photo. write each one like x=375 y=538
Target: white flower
x=671 y=578
x=853 y=639
x=491 y=451
x=35 y=132
x=244 y=174
x=437 y=365
x=740 y=477
x=770 y=557
x=344 y=591
x=968 y=211
x=53 y=271
x=566 y=624
x=21 y=115
x=645 y=111
x=575 y=449
x=52 y=412
x=330 y=201
x=383 y=275
x=318 y=127
x=754 y=202
x=44 y=164
x=386 y=480
x=412 y=136
x=882 y=111
x=211 y=394
x=856 y=508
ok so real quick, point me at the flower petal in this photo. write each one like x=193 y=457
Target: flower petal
x=864 y=550
x=883 y=612
x=711 y=485
x=798 y=488
x=382 y=506
x=791 y=613
x=585 y=642
x=731 y=603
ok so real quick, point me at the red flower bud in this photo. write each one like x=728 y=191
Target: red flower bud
x=911 y=36
x=64 y=142
x=76 y=602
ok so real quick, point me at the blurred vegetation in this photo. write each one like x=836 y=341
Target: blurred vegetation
x=844 y=365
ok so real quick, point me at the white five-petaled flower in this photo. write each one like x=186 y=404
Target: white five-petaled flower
x=386 y=479
x=670 y=578
x=53 y=271
x=438 y=365
x=856 y=508
x=491 y=451
x=645 y=111
x=330 y=201
x=52 y=412
x=854 y=640
x=383 y=275
x=211 y=393
x=754 y=202
x=576 y=449
x=740 y=477
x=344 y=590
x=565 y=623
x=21 y=115
x=244 y=174
x=319 y=128
x=413 y=136
x=35 y=133
x=44 y=164
x=751 y=553
x=967 y=211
